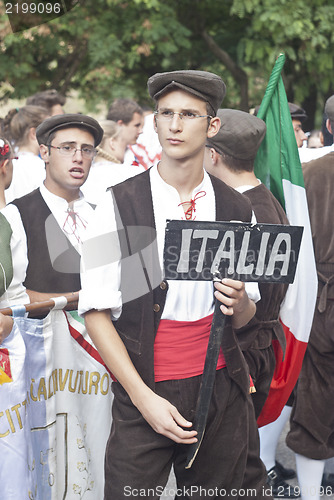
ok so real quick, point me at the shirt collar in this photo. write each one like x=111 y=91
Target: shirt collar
x=158 y=181
x=246 y=187
x=52 y=199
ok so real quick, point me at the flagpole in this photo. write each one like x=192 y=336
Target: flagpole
x=277 y=165
x=272 y=85
x=37 y=308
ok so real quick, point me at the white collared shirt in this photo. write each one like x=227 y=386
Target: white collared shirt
x=309 y=154
x=246 y=187
x=16 y=292
x=60 y=208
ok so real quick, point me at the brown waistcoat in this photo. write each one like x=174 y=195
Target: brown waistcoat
x=259 y=334
x=319 y=185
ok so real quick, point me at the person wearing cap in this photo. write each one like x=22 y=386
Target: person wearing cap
x=311 y=434
x=55 y=216
x=154 y=341
x=230 y=156
x=298 y=116
x=270 y=434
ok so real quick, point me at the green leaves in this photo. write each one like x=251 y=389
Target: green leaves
x=108 y=48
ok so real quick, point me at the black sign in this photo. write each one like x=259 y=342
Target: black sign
x=196 y=250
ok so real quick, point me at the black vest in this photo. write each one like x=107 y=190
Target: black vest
x=53 y=263
x=140 y=317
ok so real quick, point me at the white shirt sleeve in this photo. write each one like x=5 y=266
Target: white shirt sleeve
x=16 y=292
x=100 y=262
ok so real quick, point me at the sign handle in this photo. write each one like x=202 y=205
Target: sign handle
x=208 y=379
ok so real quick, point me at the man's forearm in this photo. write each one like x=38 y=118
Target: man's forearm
x=6 y=325
x=113 y=352
x=160 y=414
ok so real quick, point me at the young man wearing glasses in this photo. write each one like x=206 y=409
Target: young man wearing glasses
x=154 y=338
x=55 y=215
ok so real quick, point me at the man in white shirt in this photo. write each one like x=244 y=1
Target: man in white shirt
x=55 y=215
x=156 y=349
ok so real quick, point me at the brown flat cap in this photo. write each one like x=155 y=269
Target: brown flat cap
x=207 y=86
x=296 y=112
x=329 y=108
x=57 y=122
x=240 y=134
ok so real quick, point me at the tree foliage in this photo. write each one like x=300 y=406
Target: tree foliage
x=108 y=48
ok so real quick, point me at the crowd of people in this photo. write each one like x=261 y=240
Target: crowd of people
x=71 y=191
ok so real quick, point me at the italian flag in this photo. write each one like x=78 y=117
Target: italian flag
x=278 y=166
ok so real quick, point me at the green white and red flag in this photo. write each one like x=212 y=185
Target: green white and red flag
x=278 y=166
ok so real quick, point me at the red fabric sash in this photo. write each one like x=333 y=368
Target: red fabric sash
x=180 y=349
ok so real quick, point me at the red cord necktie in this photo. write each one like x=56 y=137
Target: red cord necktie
x=72 y=222
x=192 y=209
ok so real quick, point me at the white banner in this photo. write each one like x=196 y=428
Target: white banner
x=55 y=411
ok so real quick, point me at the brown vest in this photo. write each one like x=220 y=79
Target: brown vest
x=319 y=185
x=45 y=238
x=259 y=334
x=138 y=323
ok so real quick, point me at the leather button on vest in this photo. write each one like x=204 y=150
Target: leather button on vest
x=163 y=285
x=156 y=308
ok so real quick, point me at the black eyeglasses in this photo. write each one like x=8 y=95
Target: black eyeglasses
x=70 y=150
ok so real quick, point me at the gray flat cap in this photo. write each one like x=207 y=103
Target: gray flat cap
x=57 y=122
x=240 y=134
x=296 y=112
x=207 y=86
x=329 y=108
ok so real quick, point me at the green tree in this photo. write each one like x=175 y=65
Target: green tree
x=101 y=48
x=303 y=31
x=108 y=48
